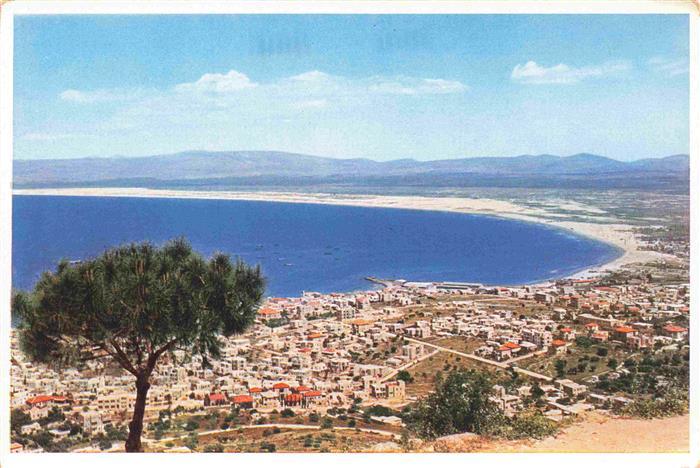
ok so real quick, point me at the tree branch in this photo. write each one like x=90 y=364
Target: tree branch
x=122 y=358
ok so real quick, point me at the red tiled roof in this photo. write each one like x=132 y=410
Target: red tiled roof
x=312 y=394
x=256 y=390
x=292 y=397
x=217 y=397
x=302 y=388
x=44 y=399
x=280 y=386
x=566 y=330
x=624 y=329
x=591 y=325
x=267 y=311
x=558 y=343
x=675 y=329
x=238 y=399
x=511 y=345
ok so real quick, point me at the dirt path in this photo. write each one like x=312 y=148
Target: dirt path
x=600 y=433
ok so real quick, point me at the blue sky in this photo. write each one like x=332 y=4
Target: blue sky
x=384 y=87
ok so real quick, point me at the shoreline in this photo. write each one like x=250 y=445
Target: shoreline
x=618 y=235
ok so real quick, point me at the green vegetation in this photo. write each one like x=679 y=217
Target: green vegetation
x=131 y=305
x=672 y=403
x=461 y=403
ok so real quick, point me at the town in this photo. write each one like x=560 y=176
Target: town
x=359 y=359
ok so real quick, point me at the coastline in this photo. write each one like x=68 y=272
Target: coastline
x=618 y=235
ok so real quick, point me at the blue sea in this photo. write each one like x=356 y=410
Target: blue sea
x=303 y=247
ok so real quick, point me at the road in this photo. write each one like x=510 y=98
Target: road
x=502 y=365
x=407 y=365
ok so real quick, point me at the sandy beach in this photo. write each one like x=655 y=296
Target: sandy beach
x=617 y=234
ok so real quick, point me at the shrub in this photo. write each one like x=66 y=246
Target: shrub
x=214 y=448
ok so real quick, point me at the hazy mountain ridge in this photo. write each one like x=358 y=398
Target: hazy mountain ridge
x=194 y=165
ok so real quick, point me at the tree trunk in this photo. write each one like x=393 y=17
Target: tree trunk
x=133 y=442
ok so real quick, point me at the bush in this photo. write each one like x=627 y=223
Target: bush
x=327 y=423
x=287 y=413
x=268 y=447
x=459 y=404
x=214 y=448
x=672 y=403
x=526 y=426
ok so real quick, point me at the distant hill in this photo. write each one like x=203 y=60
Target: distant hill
x=279 y=168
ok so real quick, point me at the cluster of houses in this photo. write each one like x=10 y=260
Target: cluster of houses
x=308 y=352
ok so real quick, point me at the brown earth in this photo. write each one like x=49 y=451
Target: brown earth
x=604 y=434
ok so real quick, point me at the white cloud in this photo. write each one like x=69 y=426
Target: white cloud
x=669 y=67
x=233 y=98
x=311 y=76
x=219 y=83
x=533 y=73
x=414 y=86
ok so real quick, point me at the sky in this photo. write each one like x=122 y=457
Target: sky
x=377 y=86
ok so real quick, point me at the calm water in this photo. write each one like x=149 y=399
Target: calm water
x=303 y=246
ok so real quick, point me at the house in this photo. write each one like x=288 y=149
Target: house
x=559 y=346
x=269 y=314
x=507 y=350
x=361 y=326
x=571 y=388
x=675 y=332
x=38 y=412
x=215 y=399
x=91 y=422
x=30 y=428
x=242 y=401
x=600 y=336
x=622 y=332
x=568 y=333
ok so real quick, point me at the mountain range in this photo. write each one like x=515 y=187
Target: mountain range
x=270 y=167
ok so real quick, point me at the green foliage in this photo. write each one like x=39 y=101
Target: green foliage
x=287 y=413
x=560 y=366
x=326 y=423
x=379 y=410
x=405 y=376
x=529 y=425
x=191 y=442
x=136 y=298
x=671 y=403
x=584 y=341
x=459 y=404
x=18 y=418
x=268 y=447
x=213 y=448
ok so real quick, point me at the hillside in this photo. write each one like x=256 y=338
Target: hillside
x=250 y=168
